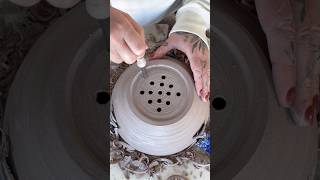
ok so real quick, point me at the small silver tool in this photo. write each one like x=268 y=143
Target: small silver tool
x=141 y=63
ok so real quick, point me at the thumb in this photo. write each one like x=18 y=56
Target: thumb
x=161 y=51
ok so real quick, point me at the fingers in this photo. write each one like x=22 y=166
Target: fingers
x=277 y=21
x=206 y=81
x=307 y=102
x=285 y=84
x=115 y=57
x=287 y=26
x=162 y=50
x=135 y=37
x=201 y=72
x=121 y=51
x=126 y=37
x=198 y=58
x=125 y=53
x=282 y=55
x=174 y=41
x=197 y=75
x=135 y=42
x=308 y=45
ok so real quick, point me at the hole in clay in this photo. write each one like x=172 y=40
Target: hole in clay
x=141 y=92
x=163 y=77
x=159 y=109
x=102 y=97
x=219 y=103
x=159 y=100
x=161 y=84
x=168 y=93
x=178 y=94
x=150 y=92
x=150 y=101
x=170 y=86
x=168 y=103
x=160 y=92
x=151 y=83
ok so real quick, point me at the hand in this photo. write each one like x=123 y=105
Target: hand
x=198 y=55
x=127 y=40
x=294 y=45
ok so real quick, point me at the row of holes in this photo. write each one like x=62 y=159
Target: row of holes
x=158 y=101
x=161 y=84
x=160 y=92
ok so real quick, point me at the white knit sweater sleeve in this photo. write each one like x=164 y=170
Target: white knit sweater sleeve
x=194 y=17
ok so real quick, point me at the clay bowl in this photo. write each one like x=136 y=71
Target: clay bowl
x=161 y=114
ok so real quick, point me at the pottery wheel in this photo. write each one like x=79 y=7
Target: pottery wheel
x=56 y=126
x=159 y=114
x=254 y=137
x=240 y=103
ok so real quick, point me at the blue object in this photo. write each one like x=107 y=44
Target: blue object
x=205 y=143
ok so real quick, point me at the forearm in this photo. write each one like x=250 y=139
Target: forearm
x=194 y=17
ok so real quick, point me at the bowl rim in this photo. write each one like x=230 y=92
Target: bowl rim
x=188 y=136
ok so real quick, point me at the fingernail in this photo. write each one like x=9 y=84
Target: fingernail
x=207 y=96
x=204 y=96
x=204 y=99
x=309 y=114
x=151 y=55
x=291 y=95
x=200 y=93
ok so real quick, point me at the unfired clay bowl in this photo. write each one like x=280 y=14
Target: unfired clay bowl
x=158 y=115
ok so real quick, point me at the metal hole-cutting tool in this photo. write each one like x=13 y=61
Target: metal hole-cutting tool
x=142 y=63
